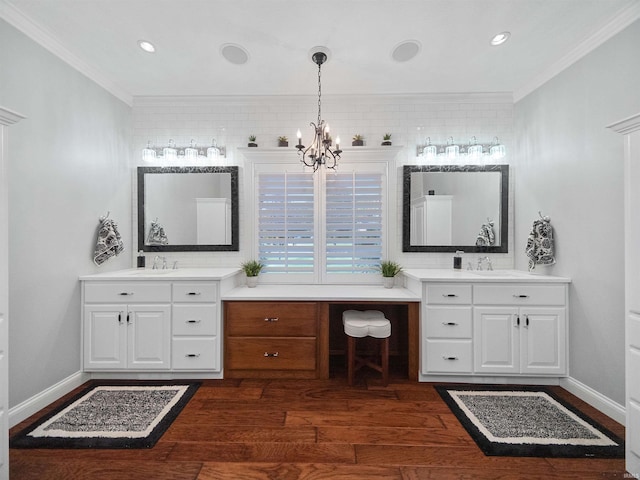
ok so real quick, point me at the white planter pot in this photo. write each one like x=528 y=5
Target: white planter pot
x=252 y=282
x=388 y=282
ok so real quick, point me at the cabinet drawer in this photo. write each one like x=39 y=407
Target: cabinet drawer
x=271 y=319
x=449 y=294
x=195 y=292
x=197 y=319
x=127 y=292
x=195 y=354
x=514 y=294
x=452 y=356
x=249 y=353
x=448 y=322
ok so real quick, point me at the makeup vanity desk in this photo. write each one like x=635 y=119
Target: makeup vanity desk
x=283 y=331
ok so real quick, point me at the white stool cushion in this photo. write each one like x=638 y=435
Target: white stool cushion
x=371 y=323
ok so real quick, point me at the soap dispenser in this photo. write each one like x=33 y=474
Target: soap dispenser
x=457 y=260
x=141 y=259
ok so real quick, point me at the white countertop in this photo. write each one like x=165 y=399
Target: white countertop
x=167 y=274
x=356 y=293
x=484 y=276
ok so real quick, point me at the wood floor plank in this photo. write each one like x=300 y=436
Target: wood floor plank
x=296 y=471
x=230 y=416
x=437 y=473
x=382 y=406
x=364 y=418
x=392 y=436
x=263 y=452
x=239 y=434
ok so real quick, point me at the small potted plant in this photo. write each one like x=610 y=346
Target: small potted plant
x=389 y=271
x=357 y=140
x=252 y=141
x=283 y=141
x=386 y=139
x=252 y=269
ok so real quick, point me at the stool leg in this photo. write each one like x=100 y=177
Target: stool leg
x=384 y=354
x=351 y=358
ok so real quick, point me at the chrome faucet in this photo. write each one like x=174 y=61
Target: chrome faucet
x=481 y=260
x=175 y=265
x=164 y=263
x=155 y=262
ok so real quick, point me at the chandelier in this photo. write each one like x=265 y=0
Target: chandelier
x=320 y=151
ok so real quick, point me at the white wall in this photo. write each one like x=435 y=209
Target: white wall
x=69 y=163
x=569 y=166
x=409 y=118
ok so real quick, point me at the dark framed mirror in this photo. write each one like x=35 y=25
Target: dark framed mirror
x=184 y=209
x=455 y=207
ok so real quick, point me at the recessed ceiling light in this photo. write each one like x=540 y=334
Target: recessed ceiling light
x=234 y=53
x=146 y=46
x=500 y=38
x=405 y=51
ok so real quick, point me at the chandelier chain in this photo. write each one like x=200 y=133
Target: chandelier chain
x=319 y=94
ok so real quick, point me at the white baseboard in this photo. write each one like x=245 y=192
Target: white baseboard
x=38 y=402
x=595 y=399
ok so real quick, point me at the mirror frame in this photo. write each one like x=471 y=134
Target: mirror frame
x=504 y=208
x=235 y=230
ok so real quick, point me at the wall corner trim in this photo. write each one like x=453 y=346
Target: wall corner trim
x=595 y=399
x=9 y=117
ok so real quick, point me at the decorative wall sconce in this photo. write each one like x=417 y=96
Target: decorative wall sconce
x=189 y=155
x=452 y=151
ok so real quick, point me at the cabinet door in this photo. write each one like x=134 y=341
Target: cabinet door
x=542 y=340
x=149 y=337
x=105 y=338
x=496 y=340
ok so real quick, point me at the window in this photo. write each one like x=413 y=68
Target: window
x=326 y=227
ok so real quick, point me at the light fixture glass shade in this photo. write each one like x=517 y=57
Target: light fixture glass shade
x=148 y=153
x=452 y=150
x=430 y=151
x=170 y=153
x=191 y=152
x=497 y=150
x=474 y=151
x=213 y=151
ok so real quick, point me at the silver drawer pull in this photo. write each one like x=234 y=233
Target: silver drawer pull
x=449 y=295
x=193 y=293
x=521 y=296
x=125 y=293
x=274 y=354
x=449 y=358
x=271 y=319
x=192 y=355
x=194 y=321
x=449 y=323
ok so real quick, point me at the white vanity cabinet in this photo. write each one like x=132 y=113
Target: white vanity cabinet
x=195 y=326
x=127 y=326
x=520 y=329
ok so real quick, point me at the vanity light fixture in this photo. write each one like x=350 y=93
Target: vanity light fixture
x=320 y=151
x=453 y=151
x=191 y=155
x=146 y=46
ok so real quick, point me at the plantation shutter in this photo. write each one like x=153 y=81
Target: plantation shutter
x=286 y=222
x=354 y=222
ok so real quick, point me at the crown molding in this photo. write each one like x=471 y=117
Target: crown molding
x=376 y=99
x=12 y=15
x=9 y=117
x=615 y=25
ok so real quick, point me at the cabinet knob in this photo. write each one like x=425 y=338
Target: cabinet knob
x=521 y=296
x=272 y=355
x=271 y=319
x=449 y=323
x=449 y=358
x=193 y=321
x=193 y=293
x=126 y=293
x=449 y=295
x=192 y=355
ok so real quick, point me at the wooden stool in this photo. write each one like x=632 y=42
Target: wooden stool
x=368 y=323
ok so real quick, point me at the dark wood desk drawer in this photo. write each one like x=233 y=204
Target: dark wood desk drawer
x=272 y=319
x=271 y=353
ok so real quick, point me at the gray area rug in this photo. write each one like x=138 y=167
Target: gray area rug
x=109 y=416
x=528 y=421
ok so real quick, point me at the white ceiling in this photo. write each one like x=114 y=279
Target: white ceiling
x=100 y=37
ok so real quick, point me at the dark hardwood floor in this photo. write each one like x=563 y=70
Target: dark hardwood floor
x=311 y=429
